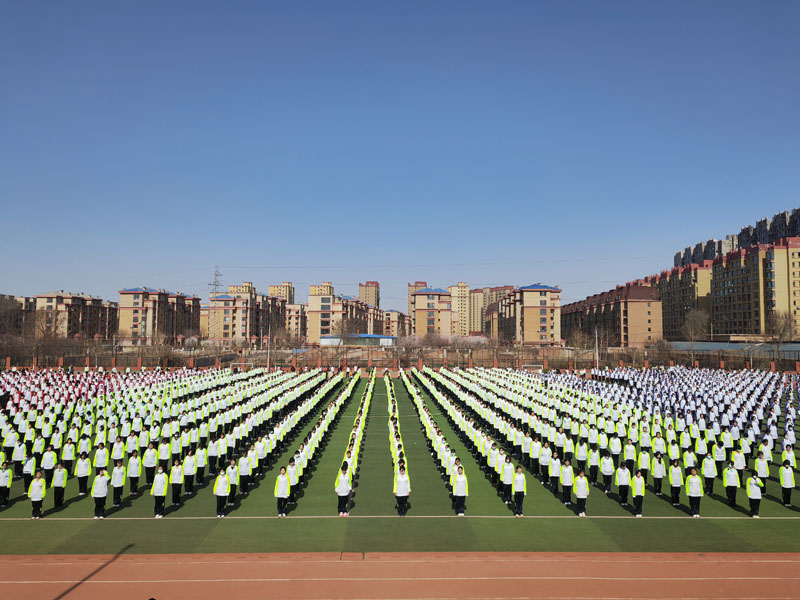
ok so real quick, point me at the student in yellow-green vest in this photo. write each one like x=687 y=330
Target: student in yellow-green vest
x=460 y=486
x=60 y=475
x=520 y=489
x=6 y=476
x=694 y=489
x=100 y=493
x=754 y=488
x=730 y=477
x=343 y=486
x=786 y=476
x=36 y=493
x=221 y=489
x=282 y=489
x=402 y=490
x=638 y=484
x=159 y=491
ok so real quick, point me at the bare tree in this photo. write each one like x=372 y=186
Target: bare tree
x=579 y=339
x=695 y=328
x=781 y=329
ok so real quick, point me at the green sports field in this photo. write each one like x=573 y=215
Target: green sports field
x=374 y=526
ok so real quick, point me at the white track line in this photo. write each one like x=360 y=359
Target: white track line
x=398 y=579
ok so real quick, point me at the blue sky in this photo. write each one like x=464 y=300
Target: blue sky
x=578 y=144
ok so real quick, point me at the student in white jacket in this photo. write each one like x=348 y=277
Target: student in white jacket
x=754 y=488
x=460 y=486
x=342 y=487
x=520 y=490
x=36 y=493
x=402 y=490
x=282 y=491
x=581 y=492
x=221 y=489
x=159 y=491
x=118 y=482
x=100 y=493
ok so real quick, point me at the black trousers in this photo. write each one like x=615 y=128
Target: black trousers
x=149 y=473
x=709 y=485
x=566 y=493
x=176 y=493
x=519 y=498
x=623 y=494
x=581 y=505
x=4 y=496
x=657 y=481
x=731 y=493
x=134 y=485
x=676 y=494
x=593 y=474
x=694 y=504
x=83 y=483
x=189 y=481
x=100 y=507
x=402 y=505
x=787 y=495
x=201 y=471
x=282 y=502
x=58 y=497
x=221 y=501
x=232 y=495
x=554 y=483
x=48 y=477
x=506 y=492
x=607 y=483
x=343 y=503
x=460 y=504
x=755 y=504
x=117 y=495
x=637 y=504
x=36 y=508
x=159 y=505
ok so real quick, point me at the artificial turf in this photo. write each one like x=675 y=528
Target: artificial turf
x=374 y=526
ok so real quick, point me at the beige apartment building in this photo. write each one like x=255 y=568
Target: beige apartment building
x=243 y=317
x=432 y=313
x=64 y=314
x=148 y=316
x=414 y=287
x=396 y=324
x=329 y=314
x=370 y=293
x=682 y=289
x=628 y=316
x=529 y=315
x=459 y=309
x=296 y=324
x=479 y=301
x=284 y=291
x=750 y=284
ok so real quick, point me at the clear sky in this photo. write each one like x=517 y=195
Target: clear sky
x=578 y=144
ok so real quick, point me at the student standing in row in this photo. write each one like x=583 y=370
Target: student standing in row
x=343 y=486
x=694 y=489
x=520 y=486
x=581 y=492
x=637 y=487
x=59 y=485
x=221 y=489
x=6 y=476
x=786 y=476
x=159 y=491
x=100 y=493
x=675 y=482
x=134 y=471
x=402 y=490
x=754 y=489
x=118 y=482
x=282 y=491
x=460 y=487
x=82 y=469
x=36 y=492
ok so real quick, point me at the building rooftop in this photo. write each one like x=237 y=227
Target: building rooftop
x=431 y=291
x=539 y=286
x=139 y=290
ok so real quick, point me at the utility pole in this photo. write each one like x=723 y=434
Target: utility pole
x=269 y=343
x=214 y=291
x=596 y=351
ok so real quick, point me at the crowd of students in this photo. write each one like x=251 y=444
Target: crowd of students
x=633 y=427
x=110 y=427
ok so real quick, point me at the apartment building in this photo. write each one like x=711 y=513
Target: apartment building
x=627 y=316
x=459 y=309
x=64 y=314
x=148 y=316
x=245 y=317
x=412 y=288
x=529 y=315
x=432 y=313
x=682 y=289
x=329 y=314
x=17 y=315
x=296 y=324
x=396 y=324
x=479 y=301
x=751 y=284
x=284 y=291
x=370 y=293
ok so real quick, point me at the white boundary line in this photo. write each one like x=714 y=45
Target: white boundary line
x=528 y=517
